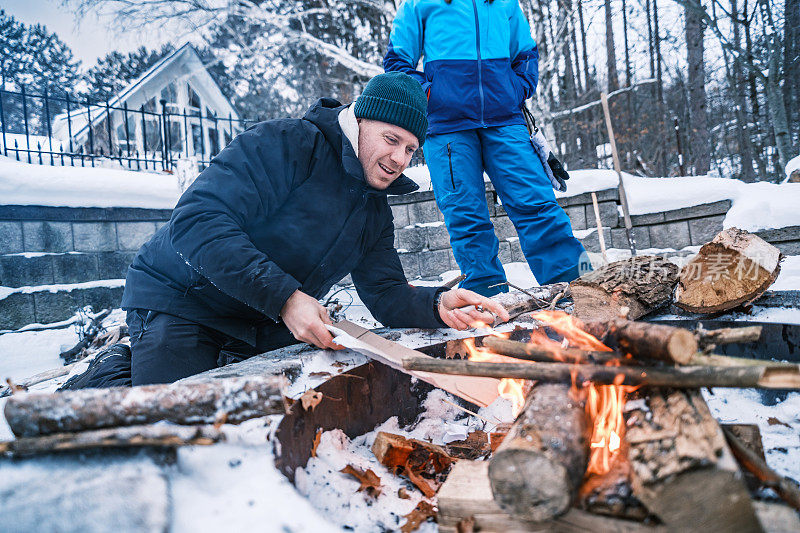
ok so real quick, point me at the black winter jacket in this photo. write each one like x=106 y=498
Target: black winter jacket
x=285 y=206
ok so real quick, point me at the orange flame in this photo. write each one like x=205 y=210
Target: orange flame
x=511 y=389
x=604 y=403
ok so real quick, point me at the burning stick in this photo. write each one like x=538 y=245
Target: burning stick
x=766 y=377
x=551 y=354
x=643 y=339
x=536 y=471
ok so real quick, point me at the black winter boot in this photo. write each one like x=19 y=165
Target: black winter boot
x=110 y=368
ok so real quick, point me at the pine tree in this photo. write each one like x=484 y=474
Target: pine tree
x=33 y=58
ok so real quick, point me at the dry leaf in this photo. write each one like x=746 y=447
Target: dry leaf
x=427 y=486
x=338 y=364
x=772 y=421
x=221 y=419
x=317 y=438
x=310 y=399
x=403 y=494
x=418 y=516
x=320 y=375
x=370 y=482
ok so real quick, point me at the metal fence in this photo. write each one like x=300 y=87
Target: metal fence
x=53 y=127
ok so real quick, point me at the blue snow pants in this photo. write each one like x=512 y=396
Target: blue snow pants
x=456 y=162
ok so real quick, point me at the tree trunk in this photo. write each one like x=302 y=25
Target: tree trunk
x=738 y=89
x=611 y=55
x=583 y=41
x=791 y=62
x=777 y=111
x=628 y=74
x=233 y=400
x=536 y=471
x=700 y=146
x=753 y=94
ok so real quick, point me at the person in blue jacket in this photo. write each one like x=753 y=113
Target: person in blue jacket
x=285 y=211
x=480 y=65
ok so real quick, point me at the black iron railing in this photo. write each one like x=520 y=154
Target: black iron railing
x=56 y=128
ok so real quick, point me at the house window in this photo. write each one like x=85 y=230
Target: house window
x=213 y=141
x=175 y=137
x=194 y=98
x=126 y=141
x=197 y=139
x=169 y=93
x=152 y=135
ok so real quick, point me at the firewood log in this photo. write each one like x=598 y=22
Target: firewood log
x=633 y=288
x=467 y=494
x=517 y=303
x=536 y=471
x=645 y=340
x=682 y=470
x=733 y=269
x=232 y=399
x=132 y=436
x=611 y=494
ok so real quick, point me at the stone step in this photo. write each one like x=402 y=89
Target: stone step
x=32 y=269
x=53 y=303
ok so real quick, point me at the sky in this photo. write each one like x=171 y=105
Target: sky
x=90 y=37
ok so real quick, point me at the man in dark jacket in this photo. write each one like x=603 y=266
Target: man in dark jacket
x=288 y=209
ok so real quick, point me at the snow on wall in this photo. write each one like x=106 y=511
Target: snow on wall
x=756 y=206
x=27 y=184
x=792 y=165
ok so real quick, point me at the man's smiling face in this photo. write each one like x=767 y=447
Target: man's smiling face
x=384 y=150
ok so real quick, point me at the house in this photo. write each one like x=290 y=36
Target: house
x=177 y=91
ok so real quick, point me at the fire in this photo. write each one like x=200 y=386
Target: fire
x=604 y=403
x=511 y=389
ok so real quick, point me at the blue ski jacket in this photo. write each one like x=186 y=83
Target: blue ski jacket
x=480 y=61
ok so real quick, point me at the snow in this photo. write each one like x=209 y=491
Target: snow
x=30 y=184
x=5 y=292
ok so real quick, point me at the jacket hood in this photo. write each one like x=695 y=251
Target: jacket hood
x=324 y=114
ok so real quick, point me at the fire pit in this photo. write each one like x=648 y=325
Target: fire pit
x=625 y=452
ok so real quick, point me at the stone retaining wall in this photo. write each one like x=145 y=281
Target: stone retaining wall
x=52 y=245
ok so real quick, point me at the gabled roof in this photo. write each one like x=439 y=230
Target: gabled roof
x=78 y=116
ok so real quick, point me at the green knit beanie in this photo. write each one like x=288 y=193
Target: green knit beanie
x=395 y=98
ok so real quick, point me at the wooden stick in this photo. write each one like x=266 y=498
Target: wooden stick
x=235 y=399
x=531 y=352
x=623 y=198
x=644 y=340
x=765 y=377
x=600 y=235
x=712 y=359
x=785 y=488
x=706 y=337
x=154 y=435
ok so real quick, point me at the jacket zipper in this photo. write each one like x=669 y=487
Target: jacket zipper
x=450 y=162
x=480 y=68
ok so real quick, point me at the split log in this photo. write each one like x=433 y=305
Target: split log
x=785 y=376
x=232 y=399
x=644 y=339
x=467 y=493
x=733 y=269
x=770 y=376
x=532 y=352
x=721 y=336
x=631 y=288
x=536 y=471
x=134 y=436
x=682 y=470
x=422 y=462
x=785 y=487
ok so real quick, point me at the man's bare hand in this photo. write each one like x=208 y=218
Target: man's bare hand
x=306 y=318
x=463 y=309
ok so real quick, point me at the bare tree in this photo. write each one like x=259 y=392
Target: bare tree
x=611 y=55
x=698 y=122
